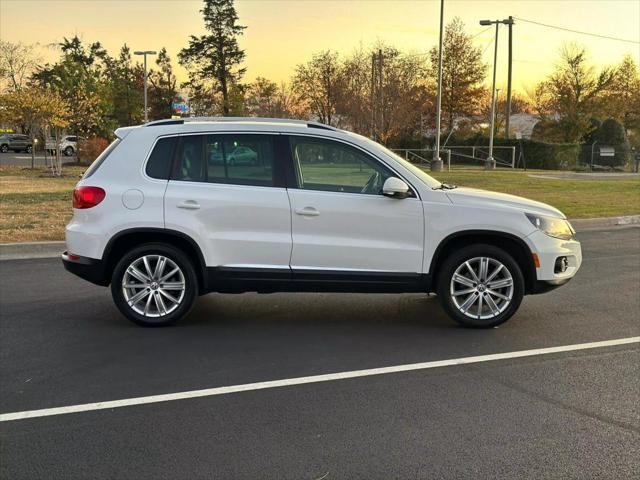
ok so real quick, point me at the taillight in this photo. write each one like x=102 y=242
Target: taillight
x=87 y=197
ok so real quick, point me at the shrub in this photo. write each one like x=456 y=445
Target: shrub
x=613 y=134
x=90 y=148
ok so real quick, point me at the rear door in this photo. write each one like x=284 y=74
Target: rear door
x=237 y=211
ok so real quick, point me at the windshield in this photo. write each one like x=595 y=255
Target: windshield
x=418 y=172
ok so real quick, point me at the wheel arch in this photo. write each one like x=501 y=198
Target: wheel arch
x=513 y=245
x=123 y=241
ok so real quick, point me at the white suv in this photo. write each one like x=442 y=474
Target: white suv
x=179 y=208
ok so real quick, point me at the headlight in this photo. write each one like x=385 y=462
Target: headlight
x=554 y=227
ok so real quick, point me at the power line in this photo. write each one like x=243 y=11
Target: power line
x=470 y=38
x=481 y=32
x=578 y=31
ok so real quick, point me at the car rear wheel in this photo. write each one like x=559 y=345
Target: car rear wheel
x=4 y=148
x=480 y=286
x=29 y=149
x=68 y=151
x=154 y=285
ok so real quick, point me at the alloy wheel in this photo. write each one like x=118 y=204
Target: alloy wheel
x=153 y=286
x=482 y=288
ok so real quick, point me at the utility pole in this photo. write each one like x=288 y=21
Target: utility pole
x=373 y=96
x=508 y=117
x=381 y=89
x=436 y=163
x=490 y=162
x=145 y=53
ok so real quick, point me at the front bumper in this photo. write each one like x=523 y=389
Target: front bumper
x=89 y=269
x=549 y=250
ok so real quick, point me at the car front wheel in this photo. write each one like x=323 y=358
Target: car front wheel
x=154 y=285
x=29 y=149
x=4 y=148
x=68 y=151
x=480 y=286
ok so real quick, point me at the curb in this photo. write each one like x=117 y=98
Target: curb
x=26 y=250
x=582 y=224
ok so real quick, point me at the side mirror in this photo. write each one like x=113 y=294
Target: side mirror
x=395 y=188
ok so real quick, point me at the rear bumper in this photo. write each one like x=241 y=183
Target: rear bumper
x=90 y=269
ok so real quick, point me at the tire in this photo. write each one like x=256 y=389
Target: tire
x=29 y=149
x=4 y=148
x=485 y=307
x=154 y=308
x=68 y=151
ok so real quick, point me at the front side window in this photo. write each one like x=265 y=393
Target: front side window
x=226 y=158
x=331 y=166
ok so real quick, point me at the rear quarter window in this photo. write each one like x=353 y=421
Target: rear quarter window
x=101 y=158
x=159 y=163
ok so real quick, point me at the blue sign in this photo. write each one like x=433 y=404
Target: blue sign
x=180 y=108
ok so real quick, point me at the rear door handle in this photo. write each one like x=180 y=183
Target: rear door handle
x=307 y=212
x=189 y=205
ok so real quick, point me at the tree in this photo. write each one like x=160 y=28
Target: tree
x=406 y=94
x=216 y=55
x=36 y=108
x=318 y=83
x=264 y=98
x=17 y=63
x=463 y=73
x=573 y=94
x=622 y=99
x=78 y=79
x=125 y=88
x=163 y=91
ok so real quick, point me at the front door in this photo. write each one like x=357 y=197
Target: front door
x=341 y=222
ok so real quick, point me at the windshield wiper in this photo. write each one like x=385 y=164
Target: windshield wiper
x=445 y=186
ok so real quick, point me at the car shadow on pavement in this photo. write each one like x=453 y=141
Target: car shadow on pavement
x=317 y=308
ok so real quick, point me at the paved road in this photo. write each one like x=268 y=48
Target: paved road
x=565 y=415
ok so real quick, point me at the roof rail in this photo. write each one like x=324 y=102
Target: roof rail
x=308 y=123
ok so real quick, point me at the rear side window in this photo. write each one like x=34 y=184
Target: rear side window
x=159 y=163
x=242 y=159
x=101 y=158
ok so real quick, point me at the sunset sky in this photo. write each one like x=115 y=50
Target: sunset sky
x=281 y=34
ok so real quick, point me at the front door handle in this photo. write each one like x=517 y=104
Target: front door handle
x=307 y=212
x=189 y=205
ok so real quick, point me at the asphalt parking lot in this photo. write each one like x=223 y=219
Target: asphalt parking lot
x=22 y=159
x=574 y=414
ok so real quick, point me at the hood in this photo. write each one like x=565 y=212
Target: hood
x=485 y=198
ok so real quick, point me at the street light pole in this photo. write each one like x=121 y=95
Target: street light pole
x=490 y=163
x=436 y=163
x=145 y=53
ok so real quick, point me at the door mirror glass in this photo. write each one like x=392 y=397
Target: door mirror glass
x=395 y=188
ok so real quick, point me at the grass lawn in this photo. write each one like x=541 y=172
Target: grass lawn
x=36 y=206
x=575 y=198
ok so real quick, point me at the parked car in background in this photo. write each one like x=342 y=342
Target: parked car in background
x=68 y=145
x=15 y=142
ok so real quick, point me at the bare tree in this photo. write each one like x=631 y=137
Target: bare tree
x=463 y=73
x=318 y=82
x=17 y=62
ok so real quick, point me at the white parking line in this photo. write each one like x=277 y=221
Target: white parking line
x=287 y=382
